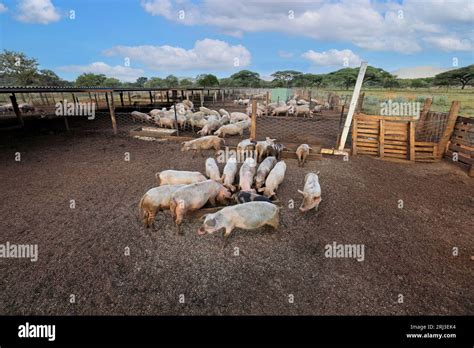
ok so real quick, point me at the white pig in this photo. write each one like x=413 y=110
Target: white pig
x=247 y=173
x=302 y=152
x=274 y=179
x=175 y=177
x=247 y=216
x=195 y=196
x=263 y=169
x=212 y=170
x=154 y=200
x=311 y=192
x=203 y=143
x=229 y=172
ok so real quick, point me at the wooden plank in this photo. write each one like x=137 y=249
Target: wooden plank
x=253 y=126
x=396 y=137
x=382 y=138
x=353 y=105
x=425 y=143
x=367 y=131
x=16 y=109
x=354 y=136
x=112 y=112
x=452 y=116
x=365 y=140
x=363 y=117
x=396 y=155
x=395 y=147
x=404 y=152
x=423 y=115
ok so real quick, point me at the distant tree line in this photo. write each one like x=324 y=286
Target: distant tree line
x=17 y=69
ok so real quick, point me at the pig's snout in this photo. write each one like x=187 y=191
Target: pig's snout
x=201 y=231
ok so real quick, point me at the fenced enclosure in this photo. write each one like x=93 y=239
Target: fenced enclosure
x=404 y=138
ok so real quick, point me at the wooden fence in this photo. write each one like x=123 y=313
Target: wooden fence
x=403 y=138
x=461 y=145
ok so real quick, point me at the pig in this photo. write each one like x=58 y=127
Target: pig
x=281 y=110
x=229 y=172
x=203 y=143
x=275 y=150
x=224 y=120
x=247 y=216
x=140 y=116
x=175 y=177
x=195 y=196
x=244 y=197
x=24 y=107
x=263 y=169
x=246 y=174
x=274 y=179
x=245 y=146
x=230 y=129
x=301 y=110
x=311 y=192
x=209 y=111
x=212 y=170
x=238 y=116
x=166 y=122
x=302 y=152
x=209 y=127
x=155 y=200
x=261 y=147
x=224 y=112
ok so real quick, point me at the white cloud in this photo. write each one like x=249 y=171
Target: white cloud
x=37 y=11
x=123 y=73
x=285 y=54
x=419 y=72
x=381 y=26
x=449 y=43
x=333 y=57
x=3 y=8
x=206 y=54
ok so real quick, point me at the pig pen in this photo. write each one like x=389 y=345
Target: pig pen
x=84 y=251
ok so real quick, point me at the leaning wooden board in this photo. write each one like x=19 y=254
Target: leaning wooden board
x=461 y=145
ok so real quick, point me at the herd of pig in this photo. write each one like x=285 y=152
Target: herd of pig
x=251 y=187
x=182 y=115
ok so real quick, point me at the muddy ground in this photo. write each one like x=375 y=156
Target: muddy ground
x=408 y=251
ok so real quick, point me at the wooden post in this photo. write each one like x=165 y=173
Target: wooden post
x=121 y=98
x=309 y=96
x=73 y=98
x=96 y=100
x=253 y=129
x=151 y=97
x=16 y=109
x=355 y=96
x=90 y=97
x=423 y=115
x=339 y=127
x=381 y=137
x=354 y=136
x=412 y=140
x=448 y=130
x=112 y=110
x=202 y=98
x=176 y=119
x=223 y=96
x=167 y=96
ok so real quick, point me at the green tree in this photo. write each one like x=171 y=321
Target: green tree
x=185 y=83
x=155 y=82
x=246 y=78
x=171 y=81
x=285 y=77
x=462 y=76
x=111 y=82
x=207 y=80
x=17 y=69
x=47 y=77
x=308 y=80
x=90 y=80
x=141 y=81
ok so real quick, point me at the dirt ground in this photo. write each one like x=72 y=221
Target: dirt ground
x=408 y=251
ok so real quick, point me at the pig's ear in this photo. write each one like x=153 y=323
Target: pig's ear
x=211 y=222
x=303 y=193
x=203 y=217
x=317 y=173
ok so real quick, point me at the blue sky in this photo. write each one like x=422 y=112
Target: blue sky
x=130 y=38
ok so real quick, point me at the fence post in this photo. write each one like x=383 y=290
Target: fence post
x=176 y=119
x=382 y=138
x=354 y=137
x=151 y=98
x=360 y=102
x=121 y=98
x=112 y=110
x=448 y=131
x=412 y=140
x=253 y=129
x=16 y=109
x=423 y=115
